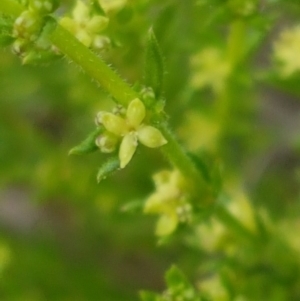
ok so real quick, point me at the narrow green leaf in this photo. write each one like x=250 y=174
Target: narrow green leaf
x=108 y=168
x=133 y=206
x=201 y=166
x=154 y=65
x=175 y=278
x=88 y=145
x=98 y=8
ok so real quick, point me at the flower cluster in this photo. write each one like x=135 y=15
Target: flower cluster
x=210 y=69
x=170 y=201
x=286 y=51
x=28 y=27
x=87 y=26
x=129 y=127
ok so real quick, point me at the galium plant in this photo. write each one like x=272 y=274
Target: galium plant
x=237 y=245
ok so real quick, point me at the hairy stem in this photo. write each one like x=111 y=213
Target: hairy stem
x=92 y=65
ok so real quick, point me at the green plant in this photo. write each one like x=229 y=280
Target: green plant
x=247 y=250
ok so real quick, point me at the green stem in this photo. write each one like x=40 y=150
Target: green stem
x=114 y=85
x=92 y=65
x=179 y=158
x=235 y=42
x=235 y=225
x=234 y=53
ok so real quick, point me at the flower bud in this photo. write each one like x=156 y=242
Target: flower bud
x=27 y=25
x=107 y=142
x=98 y=118
x=184 y=212
x=148 y=96
x=44 y=7
x=119 y=110
x=101 y=42
x=20 y=47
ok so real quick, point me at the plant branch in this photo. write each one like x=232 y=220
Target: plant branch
x=234 y=224
x=113 y=84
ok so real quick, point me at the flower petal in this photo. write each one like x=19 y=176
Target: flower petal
x=97 y=24
x=127 y=148
x=114 y=124
x=84 y=37
x=166 y=224
x=155 y=204
x=68 y=24
x=135 y=112
x=81 y=12
x=151 y=136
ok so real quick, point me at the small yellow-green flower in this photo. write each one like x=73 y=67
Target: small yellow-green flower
x=169 y=201
x=286 y=51
x=85 y=26
x=210 y=68
x=131 y=129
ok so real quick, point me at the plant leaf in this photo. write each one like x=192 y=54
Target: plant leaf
x=88 y=145
x=154 y=65
x=98 y=8
x=108 y=168
x=176 y=279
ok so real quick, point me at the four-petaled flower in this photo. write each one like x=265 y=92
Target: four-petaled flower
x=132 y=130
x=170 y=201
x=85 y=26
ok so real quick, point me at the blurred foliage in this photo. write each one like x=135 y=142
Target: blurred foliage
x=65 y=237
